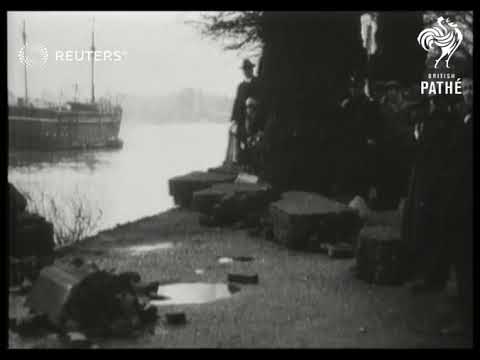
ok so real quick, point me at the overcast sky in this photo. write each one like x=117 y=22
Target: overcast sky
x=163 y=54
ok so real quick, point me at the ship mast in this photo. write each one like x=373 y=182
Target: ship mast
x=24 y=35
x=93 y=62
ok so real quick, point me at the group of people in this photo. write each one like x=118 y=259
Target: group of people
x=377 y=144
x=421 y=151
x=390 y=147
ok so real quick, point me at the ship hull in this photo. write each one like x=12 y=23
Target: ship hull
x=45 y=129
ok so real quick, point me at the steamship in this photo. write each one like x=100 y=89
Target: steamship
x=73 y=125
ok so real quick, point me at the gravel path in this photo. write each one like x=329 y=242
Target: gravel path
x=302 y=299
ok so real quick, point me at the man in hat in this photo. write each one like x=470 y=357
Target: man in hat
x=396 y=145
x=247 y=88
x=357 y=137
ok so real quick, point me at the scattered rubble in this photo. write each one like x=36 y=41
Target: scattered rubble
x=243 y=279
x=176 y=318
x=96 y=303
x=225 y=260
x=231 y=259
x=31 y=326
x=340 y=250
x=359 y=204
x=26 y=269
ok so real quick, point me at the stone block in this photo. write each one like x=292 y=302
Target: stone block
x=231 y=202
x=381 y=256
x=305 y=221
x=182 y=187
x=52 y=290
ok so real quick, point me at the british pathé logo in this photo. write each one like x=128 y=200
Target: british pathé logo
x=445 y=35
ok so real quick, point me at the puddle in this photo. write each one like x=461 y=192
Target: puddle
x=142 y=249
x=229 y=260
x=225 y=260
x=194 y=293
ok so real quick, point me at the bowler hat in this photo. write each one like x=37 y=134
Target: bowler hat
x=247 y=64
x=392 y=84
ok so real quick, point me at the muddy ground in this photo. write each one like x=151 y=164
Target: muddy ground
x=302 y=299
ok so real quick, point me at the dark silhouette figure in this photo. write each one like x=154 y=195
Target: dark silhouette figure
x=246 y=89
x=438 y=219
x=396 y=146
x=357 y=134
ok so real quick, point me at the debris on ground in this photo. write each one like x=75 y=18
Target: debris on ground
x=77 y=340
x=23 y=289
x=77 y=261
x=246 y=178
x=231 y=259
x=225 y=260
x=31 y=326
x=242 y=258
x=176 y=318
x=96 y=303
x=243 y=279
x=340 y=250
x=359 y=204
x=25 y=269
x=106 y=304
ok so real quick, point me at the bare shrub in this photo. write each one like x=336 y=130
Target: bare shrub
x=73 y=218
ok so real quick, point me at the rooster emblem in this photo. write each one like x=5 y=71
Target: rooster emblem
x=447 y=39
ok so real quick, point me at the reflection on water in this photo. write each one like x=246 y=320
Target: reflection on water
x=193 y=293
x=124 y=184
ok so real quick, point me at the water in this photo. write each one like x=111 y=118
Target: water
x=193 y=293
x=120 y=185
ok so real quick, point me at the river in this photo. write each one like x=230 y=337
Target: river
x=117 y=186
